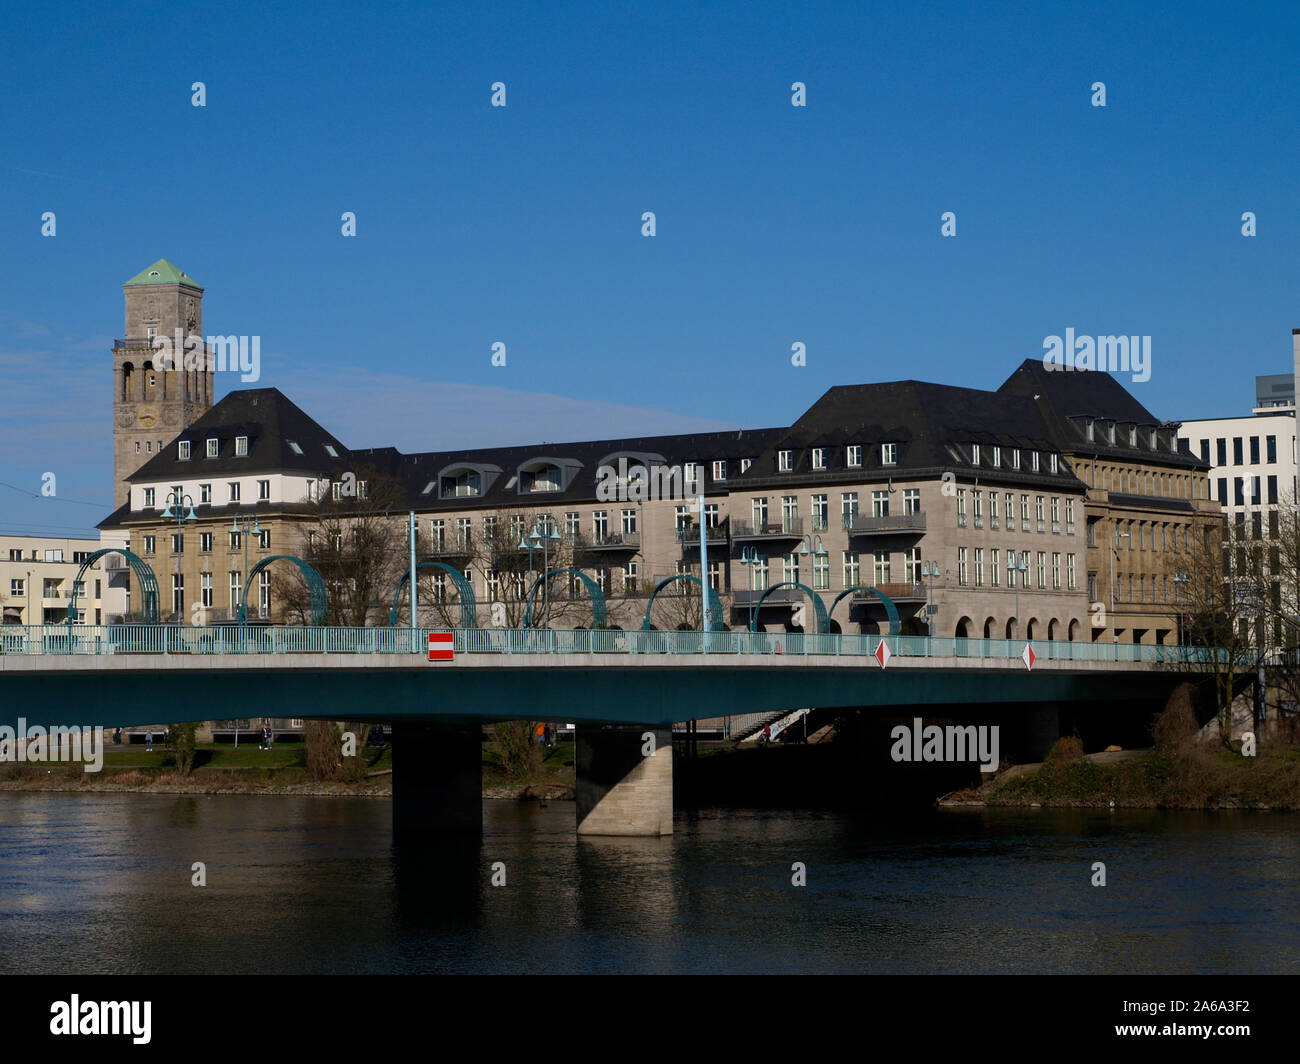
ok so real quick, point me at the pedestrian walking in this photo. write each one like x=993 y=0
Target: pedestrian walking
x=148 y=741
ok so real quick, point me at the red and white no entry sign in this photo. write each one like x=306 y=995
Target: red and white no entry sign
x=441 y=646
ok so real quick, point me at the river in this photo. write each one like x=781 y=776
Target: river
x=102 y=884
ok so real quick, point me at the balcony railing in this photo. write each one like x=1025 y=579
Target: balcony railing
x=782 y=528
x=615 y=541
x=782 y=596
x=897 y=592
x=862 y=524
x=689 y=535
x=458 y=546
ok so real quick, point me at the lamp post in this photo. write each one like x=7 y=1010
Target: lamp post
x=813 y=545
x=749 y=558
x=181 y=502
x=1115 y=537
x=243 y=526
x=1180 y=577
x=1014 y=567
x=542 y=539
x=931 y=569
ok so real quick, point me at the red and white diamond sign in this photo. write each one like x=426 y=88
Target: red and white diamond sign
x=882 y=654
x=441 y=647
x=1029 y=657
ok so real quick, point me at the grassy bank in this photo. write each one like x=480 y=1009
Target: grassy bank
x=1169 y=776
x=247 y=769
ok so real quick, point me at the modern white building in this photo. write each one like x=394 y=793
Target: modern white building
x=1253 y=457
x=37 y=574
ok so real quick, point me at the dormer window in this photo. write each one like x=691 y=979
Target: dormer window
x=461 y=485
x=691 y=477
x=997 y=457
x=1155 y=440
x=183 y=450
x=1110 y=433
x=745 y=463
x=720 y=469
x=148 y=498
x=819 y=458
x=241 y=446
x=974 y=454
x=1033 y=461
x=329 y=450
x=889 y=454
x=784 y=461
x=1090 y=430
x=1132 y=436
x=853 y=455
x=213 y=447
x=543 y=478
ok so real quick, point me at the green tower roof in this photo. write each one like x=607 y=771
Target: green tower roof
x=163 y=272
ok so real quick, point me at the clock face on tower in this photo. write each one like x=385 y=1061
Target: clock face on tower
x=148 y=416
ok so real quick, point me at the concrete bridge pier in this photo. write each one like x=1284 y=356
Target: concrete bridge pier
x=438 y=787
x=624 y=782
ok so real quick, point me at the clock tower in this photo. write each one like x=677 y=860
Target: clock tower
x=151 y=405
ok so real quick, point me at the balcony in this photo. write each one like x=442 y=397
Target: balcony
x=782 y=596
x=783 y=528
x=714 y=535
x=615 y=541
x=458 y=548
x=897 y=524
x=896 y=592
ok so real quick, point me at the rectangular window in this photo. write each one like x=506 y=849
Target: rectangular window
x=1255 y=497
x=995 y=574
x=150 y=542
x=178 y=543
x=438 y=534
x=1053 y=463
x=1056 y=570
x=1015 y=458
x=790 y=568
x=628 y=521
x=758 y=508
x=629 y=575
x=1069 y=516
x=821 y=572
x=683 y=518
x=264 y=594
x=1024 y=513
x=1069 y=571
x=178 y=593
x=572 y=525
x=464 y=526
x=1272 y=488
x=1236 y=451
x=1254 y=450
x=979 y=567
x=236 y=589
x=912 y=500
x=205 y=542
x=993 y=509
x=853 y=456
x=745 y=463
x=1038 y=512
x=849 y=507
x=889 y=454
x=790 y=513
x=263 y=490
x=850 y=568
x=880 y=504
x=912 y=565
x=997 y=457
x=148 y=497
x=600 y=525
x=820 y=512
x=18 y=588
x=978 y=513
x=1033 y=461
x=1092 y=584
x=205 y=493
x=785 y=461
x=183 y=450
x=961 y=565
x=205 y=589
x=760 y=569
x=975 y=454
x=819 y=457
x=1271 y=448
x=720 y=469
x=961 y=507
x=882 y=567
x=1042 y=569
x=241 y=446
x=1221 y=450
x=233 y=487
x=212 y=447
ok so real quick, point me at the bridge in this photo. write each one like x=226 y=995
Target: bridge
x=625 y=688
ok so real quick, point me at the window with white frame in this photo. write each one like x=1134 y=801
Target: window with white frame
x=1056 y=570
x=628 y=522
x=820 y=512
x=233 y=488
x=183 y=450
x=241 y=446
x=205 y=493
x=720 y=469
x=882 y=567
x=851 y=568
x=889 y=454
x=880 y=504
x=819 y=457
x=1069 y=571
x=236 y=589
x=995 y=574
x=790 y=568
x=912 y=565
x=785 y=461
x=821 y=572
x=263 y=490
x=979 y=567
x=961 y=565
x=213 y=446
x=853 y=455
x=148 y=497
x=911 y=500
x=205 y=590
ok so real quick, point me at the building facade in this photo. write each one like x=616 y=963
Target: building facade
x=37 y=574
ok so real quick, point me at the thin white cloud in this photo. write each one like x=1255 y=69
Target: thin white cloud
x=366 y=409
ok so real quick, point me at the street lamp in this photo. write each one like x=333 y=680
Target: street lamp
x=1115 y=537
x=181 y=502
x=243 y=526
x=931 y=569
x=543 y=539
x=1180 y=577
x=749 y=558
x=1012 y=568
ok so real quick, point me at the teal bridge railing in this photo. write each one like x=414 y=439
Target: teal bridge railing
x=234 y=639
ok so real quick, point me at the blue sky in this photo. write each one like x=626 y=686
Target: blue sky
x=522 y=224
